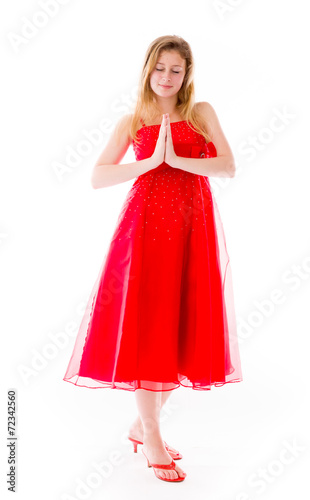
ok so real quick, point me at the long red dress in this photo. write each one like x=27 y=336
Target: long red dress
x=161 y=312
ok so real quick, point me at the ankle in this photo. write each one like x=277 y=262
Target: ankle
x=137 y=423
x=153 y=440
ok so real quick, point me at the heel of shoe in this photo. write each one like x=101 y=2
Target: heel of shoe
x=135 y=443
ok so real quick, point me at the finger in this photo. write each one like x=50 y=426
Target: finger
x=168 y=124
x=163 y=125
x=168 y=128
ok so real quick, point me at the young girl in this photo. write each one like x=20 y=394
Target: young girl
x=161 y=313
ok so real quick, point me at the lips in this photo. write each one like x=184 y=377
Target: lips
x=166 y=86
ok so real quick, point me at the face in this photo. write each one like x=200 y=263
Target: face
x=167 y=77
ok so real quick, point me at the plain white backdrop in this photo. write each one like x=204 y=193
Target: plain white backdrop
x=68 y=68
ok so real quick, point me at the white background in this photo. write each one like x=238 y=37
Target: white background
x=81 y=68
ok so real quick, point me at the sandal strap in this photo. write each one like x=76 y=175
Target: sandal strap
x=134 y=440
x=164 y=466
x=170 y=448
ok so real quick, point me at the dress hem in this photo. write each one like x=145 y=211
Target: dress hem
x=110 y=386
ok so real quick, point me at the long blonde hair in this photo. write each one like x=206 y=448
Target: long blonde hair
x=146 y=105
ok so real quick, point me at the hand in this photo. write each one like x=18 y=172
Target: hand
x=158 y=157
x=170 y=155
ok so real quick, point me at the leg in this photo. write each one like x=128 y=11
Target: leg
x=137 y=427
x=149 y=405
x=164 y=396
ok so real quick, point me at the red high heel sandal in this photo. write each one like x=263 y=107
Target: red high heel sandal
x=164 y=466
x=176 y=455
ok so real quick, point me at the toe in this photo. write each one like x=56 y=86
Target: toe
x=162 y=474
x=175 y=474
x=180 y=472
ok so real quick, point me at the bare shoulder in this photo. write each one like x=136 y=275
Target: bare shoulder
x=207 y=112
x=214 y=128
x=123 y=125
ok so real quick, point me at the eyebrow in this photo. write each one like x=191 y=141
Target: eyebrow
x=172 y=65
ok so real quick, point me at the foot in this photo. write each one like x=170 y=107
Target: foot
x=136 y=430
x=156 y=452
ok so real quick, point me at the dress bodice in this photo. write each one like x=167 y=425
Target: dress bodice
x=186 y=142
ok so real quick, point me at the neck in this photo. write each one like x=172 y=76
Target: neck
x=167 y=104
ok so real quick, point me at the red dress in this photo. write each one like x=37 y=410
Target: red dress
x=161 y=312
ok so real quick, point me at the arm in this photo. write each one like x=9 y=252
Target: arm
x=107 y=170
x=223 y=165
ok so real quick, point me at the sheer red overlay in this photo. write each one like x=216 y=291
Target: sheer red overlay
x=161 y=312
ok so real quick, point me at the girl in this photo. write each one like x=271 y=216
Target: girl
x=161 y=313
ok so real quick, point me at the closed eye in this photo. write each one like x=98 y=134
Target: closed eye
x=163 y=70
